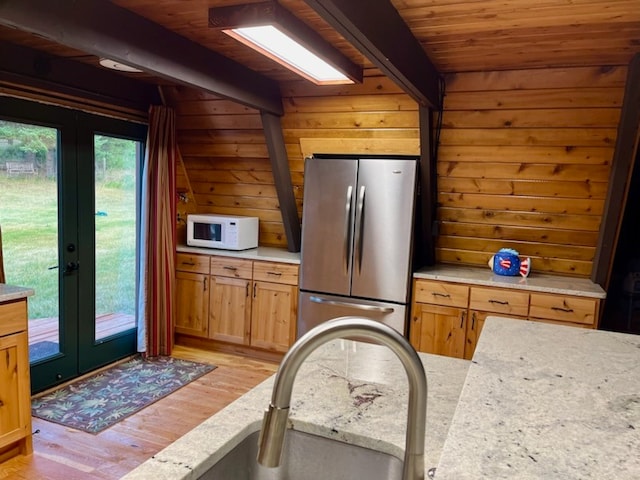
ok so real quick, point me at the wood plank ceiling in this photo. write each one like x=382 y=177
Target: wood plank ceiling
x=458 y=36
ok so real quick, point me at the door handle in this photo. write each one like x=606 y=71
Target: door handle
x=347 y=229
x=359 y=225
x=71 y=267
x=358 y=306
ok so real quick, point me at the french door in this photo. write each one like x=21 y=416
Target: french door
x=69 y=210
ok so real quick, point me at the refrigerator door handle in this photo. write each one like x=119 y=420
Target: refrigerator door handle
x=359 y=306
x=359 y=225
x=347 y=229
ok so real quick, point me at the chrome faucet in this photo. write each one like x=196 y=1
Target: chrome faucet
x=274 y=423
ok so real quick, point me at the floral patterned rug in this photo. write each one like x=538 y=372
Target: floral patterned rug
x=104 y=399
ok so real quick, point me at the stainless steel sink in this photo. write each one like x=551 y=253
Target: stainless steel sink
x=307 y=457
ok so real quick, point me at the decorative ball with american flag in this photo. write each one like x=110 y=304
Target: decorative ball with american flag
x=508 y=262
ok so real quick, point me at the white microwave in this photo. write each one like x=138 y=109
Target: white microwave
x=222 y=231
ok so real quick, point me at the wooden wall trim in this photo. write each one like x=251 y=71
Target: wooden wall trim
x=428 y=188
x=282 y=178
x=623 y=162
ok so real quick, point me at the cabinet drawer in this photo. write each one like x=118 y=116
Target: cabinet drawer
x=186 y=262
x=231 y=267
x=441 y=293
x=275 y=272
x=563 y=308
x=499 y=300
x=13 y=317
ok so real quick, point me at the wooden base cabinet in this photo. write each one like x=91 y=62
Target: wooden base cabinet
x=192 y=303
x=245 y=303
x=439 y=318
x=273 y=317
x=192 y=295
x=447 y=317
x=437 y=329
x=275 y=305
x=230 y=310
x=486 y=301
x=15 y=387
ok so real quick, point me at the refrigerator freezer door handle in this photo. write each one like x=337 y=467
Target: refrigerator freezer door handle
x=359 y=217
x=347 y=229
x=359 y=306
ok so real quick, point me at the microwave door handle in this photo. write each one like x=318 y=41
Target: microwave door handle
x=347 y=229
x=359 y=226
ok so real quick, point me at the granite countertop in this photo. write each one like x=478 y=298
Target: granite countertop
x=268 y=254
x=538 y=401
x=547 y=401
x=355 y=392
x=12 y=292
x=539 y=282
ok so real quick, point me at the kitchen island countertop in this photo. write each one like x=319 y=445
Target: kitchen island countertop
x=351 y=391
x=547 y=401
x=538 y=401
x=12 y=292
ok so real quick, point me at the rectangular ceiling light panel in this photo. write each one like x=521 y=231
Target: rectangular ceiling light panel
x=276 y=33
x=276 y=45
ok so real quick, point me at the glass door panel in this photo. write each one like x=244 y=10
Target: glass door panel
x=69 y=203
x=29 y=219
x=116 y=164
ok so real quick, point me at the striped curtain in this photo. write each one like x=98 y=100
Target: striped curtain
x=156 y=308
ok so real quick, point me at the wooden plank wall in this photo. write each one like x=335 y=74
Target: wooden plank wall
x=523 y=162
x=225 y=155
x=225 y=161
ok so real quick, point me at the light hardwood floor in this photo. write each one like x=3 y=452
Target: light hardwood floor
x=64 y=454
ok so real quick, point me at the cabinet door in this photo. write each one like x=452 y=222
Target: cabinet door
x=475 y=323
x=273 y=320
x=474 y=329
x=437 y=329
x=230 y=310
x=15 y=400
x=192 y=303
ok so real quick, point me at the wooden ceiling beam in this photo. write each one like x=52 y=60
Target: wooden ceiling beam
x=25 y=66
x=624 y=167
x=379 y=32
x=104 y=29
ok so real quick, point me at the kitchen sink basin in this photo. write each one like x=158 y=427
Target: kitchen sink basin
x=307 y=457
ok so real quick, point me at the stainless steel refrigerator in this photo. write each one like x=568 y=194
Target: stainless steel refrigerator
x=357 y=239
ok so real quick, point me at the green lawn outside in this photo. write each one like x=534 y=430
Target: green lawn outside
x=28 y=216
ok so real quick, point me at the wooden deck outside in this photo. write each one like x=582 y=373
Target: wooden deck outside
x=42 y=329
